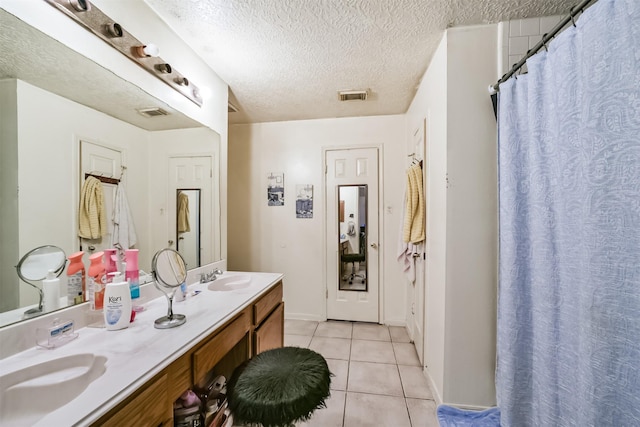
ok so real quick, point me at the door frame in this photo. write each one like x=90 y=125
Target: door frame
x=381 y=229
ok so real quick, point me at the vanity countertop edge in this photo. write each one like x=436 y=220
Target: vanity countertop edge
x=136 y=354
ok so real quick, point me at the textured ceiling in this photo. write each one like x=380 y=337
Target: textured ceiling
x=287 y=59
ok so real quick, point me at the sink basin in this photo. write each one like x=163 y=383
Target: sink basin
x=31 y=393
x=230 y=283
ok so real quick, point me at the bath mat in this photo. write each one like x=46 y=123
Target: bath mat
x=448 y=416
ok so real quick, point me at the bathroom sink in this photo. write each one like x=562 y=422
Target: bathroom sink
x=230 y=283
x=28 y=394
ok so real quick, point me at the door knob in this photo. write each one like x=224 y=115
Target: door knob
x=373 y=245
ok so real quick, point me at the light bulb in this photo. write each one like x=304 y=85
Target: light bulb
x=148 y=50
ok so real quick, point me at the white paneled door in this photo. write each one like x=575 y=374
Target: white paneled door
x=193 y=176
x=352 y=229
x=104 y=162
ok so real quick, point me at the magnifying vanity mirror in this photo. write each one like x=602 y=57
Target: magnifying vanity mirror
x=352 y=218
x=41 y=98
x=34 y=267
x=169 y=272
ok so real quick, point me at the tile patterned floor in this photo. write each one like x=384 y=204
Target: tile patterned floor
x=378 y=380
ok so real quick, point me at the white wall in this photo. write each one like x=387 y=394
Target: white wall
x=430 y=102
x=272 y=239
x=461 y=273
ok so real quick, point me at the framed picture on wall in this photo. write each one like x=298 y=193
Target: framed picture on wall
x=304 y=201
x=275 y=189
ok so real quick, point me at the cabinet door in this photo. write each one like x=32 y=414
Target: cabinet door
x=149 y=408
x=271 y=333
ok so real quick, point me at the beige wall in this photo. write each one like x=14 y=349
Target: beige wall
x=272 y=239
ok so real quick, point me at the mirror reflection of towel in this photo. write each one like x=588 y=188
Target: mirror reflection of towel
x=183 y=213
x=92 y=217
x=124 y=233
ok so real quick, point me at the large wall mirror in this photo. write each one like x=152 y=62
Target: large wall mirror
x=352 y=218
x=51 y=100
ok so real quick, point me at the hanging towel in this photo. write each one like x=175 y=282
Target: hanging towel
x=183 y=213
x=92 y=218
x=413 y=228
x=124 y=232
x=408 y=252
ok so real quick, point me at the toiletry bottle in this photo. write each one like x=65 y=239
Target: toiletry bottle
x=117 y=303
x=110 y=256
x=51 y=290
x=133 y=276
x=75 y=279
x=97 y=280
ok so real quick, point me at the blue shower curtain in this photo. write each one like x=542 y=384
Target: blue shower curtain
x=569 y=174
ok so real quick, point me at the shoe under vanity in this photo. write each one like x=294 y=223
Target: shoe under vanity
x=147 y=370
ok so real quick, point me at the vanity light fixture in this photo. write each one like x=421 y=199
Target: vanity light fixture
x=143 y=54
x=147 y=51
x=164 y=68
x=80 y=5
x=182 y=81
x=114 y=29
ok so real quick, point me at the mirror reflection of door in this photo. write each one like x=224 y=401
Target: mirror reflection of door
x=353 y=237
x=191 y=174
x=188 y=225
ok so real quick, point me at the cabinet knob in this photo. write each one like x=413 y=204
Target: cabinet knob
x=374 y=245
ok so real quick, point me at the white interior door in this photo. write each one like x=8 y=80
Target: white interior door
x=417 y=318
x=349 y=168
x=106 y=162
x=192 y=173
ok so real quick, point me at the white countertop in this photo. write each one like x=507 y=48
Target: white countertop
x=136 y=354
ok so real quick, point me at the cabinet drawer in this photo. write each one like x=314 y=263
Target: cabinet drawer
x=271 y=333
x=179 y=376
x=208 y=355
x=149 y=408
x=263 y=307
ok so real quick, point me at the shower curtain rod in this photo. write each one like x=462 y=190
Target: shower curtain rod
x=543 y=43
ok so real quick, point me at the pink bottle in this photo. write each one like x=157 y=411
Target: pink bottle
x=110 y=262
x=97 y=281
x=132 y=275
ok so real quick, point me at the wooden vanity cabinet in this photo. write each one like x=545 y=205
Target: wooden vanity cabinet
x=268 y=321
x=259 y=327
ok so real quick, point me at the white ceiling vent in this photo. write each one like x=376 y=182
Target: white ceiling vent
x=353 y=95
x=152 y=112
x=231 y=108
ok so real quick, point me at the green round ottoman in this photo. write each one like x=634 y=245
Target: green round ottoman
x=279 y=387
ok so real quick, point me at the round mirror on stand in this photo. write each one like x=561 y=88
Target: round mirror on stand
x=34 y=266
x=169 y=272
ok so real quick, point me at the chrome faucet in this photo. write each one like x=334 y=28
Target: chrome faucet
x=210 y=276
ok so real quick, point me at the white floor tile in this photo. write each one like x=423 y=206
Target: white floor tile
x=374 y=410
x=331 y=348
x=334 y=329
x=406 y=354
x=340 y=371
x=370 y=331
x=377 y=378
x=297 y=340
x=331 y=416
x=422 y=413
x=399 y=334
x=300 y=327
x=414 y=382
x=372 y=351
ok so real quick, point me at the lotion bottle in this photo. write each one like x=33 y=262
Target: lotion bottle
x=76 y=278
x=97 y=280
x=51 y=290
x=117 y=303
